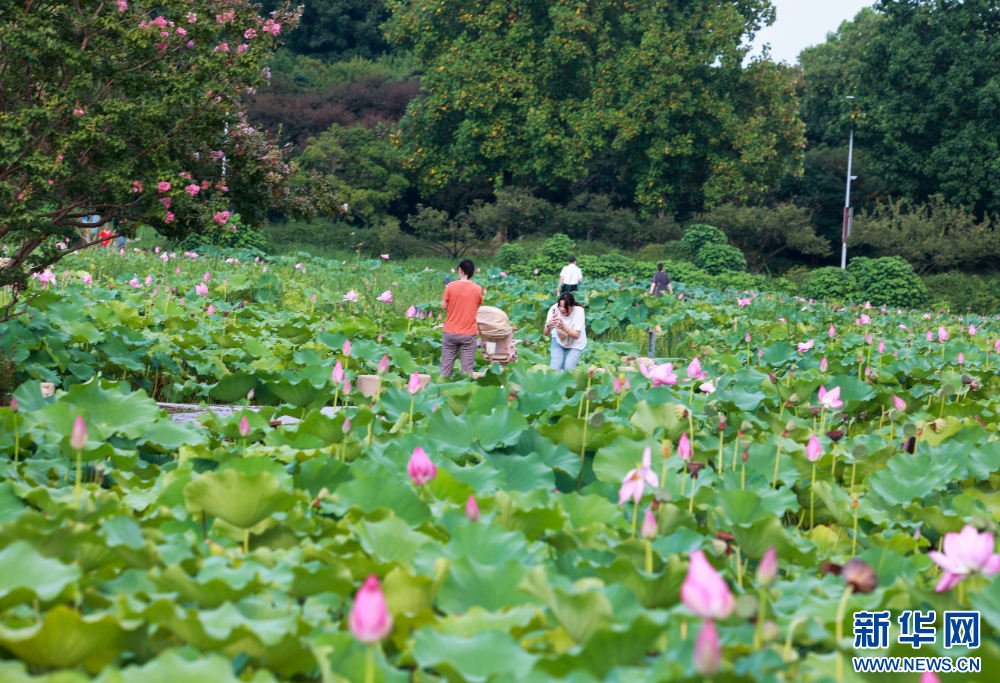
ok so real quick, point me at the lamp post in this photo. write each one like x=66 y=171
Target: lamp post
x=847 y=201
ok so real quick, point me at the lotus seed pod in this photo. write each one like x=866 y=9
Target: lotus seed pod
x=597 y=419
x=680 y=412
x=746 y=426
x=666 y=449
x=859 y=452
x=719 y=547
x=793 y=399
x=790 y=426
x=860 y=575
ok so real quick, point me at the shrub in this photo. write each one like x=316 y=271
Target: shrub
x=720 y=258
x=243 y=237
x=553 y=255
x=510 y=256
x=888 y=281
x=698 y=236
x=961 y=292
x=830 y=283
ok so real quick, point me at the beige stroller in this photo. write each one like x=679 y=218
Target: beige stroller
x=496 y=336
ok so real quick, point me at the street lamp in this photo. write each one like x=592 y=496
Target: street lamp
x=848 y=214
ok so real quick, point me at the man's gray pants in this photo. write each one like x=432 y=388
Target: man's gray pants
x=457 y=345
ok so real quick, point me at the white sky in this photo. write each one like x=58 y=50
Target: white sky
x=801 y=23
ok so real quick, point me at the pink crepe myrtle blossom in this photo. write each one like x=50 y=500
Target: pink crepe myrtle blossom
x=635 y=480
x=250 y=34
x=169 y=217
x=192 y=189
x=964 y=554
x=122 y=5
x=270 y=26
x=191 y=17
x=221 y=218
x=242 y=48
x=181 y=32
x=704 y=592
x=163 y=186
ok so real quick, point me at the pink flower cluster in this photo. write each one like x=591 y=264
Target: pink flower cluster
x=271 y=27
x=163 y=186
x=225 y=16
x=250 y=34
x=122 y=5
x=192 y=189
x=222 y=48
x=221 y=217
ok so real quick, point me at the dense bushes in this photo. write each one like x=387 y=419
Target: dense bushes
x=716 y=259
x=698 y=236
x=962 y=292
x=830 y=283
x=888 y=281
x=243 y=237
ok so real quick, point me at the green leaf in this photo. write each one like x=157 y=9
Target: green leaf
x=236 y=498
x=24 y=574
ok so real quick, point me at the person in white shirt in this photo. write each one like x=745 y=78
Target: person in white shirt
x=570 y=276
x=568 y=326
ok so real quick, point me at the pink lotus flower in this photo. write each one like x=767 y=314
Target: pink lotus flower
x=420 y=468
x=707 y=650
x=207 y=276
x=704 y=592
x=662 y=374
x=385 y=256
x=244 y=427
x=830 y=400
x=942 y=334
x=694 y=371
x=78 y=437
x=413 y=386
x=634 y=482
x=881 y=346
x=767 y=569
x=472 y=509
x=386 y=296
x=411 y=312
x=813 y=450
x=211 y=309
x=930 y=336
x=743 y=302
x=346 y=349
x=899 y=404
x=618 y=386
x=351 y=297
x=707 y=387
x=134 y=282
x=370 y=620
x=965 y=554
x=961 y=359
x=972 y=330
x=338 y=373
x=864 y=319
x=684 y=449
x=200 y=289
x=996 y=346
x=805 y=346
x=824 y=365
x=832 y=331
x=649 y=525
x=383 y=365
x=747 y=338
x=929 y=677
x=86 y=279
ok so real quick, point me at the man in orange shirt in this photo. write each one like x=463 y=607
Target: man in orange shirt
x=461 y=301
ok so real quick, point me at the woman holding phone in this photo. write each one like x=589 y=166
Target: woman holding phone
x=566 y=323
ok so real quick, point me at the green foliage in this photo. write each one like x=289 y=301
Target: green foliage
x=964 y=292
x=452 y=238
x=338 y=30
x=830 y=284
x=888 y=281
x=699 y=235
x=132 y=113
x=716 y=259
x=763 y=232
x=509 y=256
x=514 y=92
x=553 y=255
x=363 y=167
x=312 y=74
x=923 y=74
x=931 y=236
x=243 y=237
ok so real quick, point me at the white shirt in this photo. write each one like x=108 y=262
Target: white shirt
x=571 y=275
x=576 y=320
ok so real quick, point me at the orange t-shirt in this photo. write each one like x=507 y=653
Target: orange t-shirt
x=464 y=298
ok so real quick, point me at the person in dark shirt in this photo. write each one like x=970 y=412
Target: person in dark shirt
x=660 y=282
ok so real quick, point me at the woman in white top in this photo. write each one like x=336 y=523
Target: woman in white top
x=568 y=327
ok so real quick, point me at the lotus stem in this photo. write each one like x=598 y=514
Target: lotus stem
x=722 y=464
x=833 y=465
x=854 y=540
x=79 y=476
x=759 y=636
x=736 y=449
x=370 y=665
x=583 y=455
x=812 y=499
x=649 y=556
x=854 y=469
x=17 y=441
x=787 y=654
x=777 y=460
x=684 y=480
x=246 y=541
x=841 y=609
x=635 y=517
x=691 y=500
x=739 y=568
x=743 y=475
x=410 y=430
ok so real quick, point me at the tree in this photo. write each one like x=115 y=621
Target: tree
x=450 y=237
x=109 y=110
x=926 y=101
x=338 y=30
x=547 y=93
x=762 y=232
x=934 y=235
x=362 y=167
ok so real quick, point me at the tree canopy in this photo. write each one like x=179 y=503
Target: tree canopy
x=133 y=114
x=539 y=92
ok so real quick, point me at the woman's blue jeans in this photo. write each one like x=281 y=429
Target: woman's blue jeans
x=563 y=358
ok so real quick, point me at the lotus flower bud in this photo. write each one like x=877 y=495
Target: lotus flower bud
x=420 y=468
x=413 y=386
x=684 y=449
x=13 y=405
x=347 y=348
x=618 y=385
x=347 y=388
x=346 y=427
x=771 y=376
x=860 y=575
x=824 y=365
x=383 y=365
x=78 y=437
x=707 y=650
x=244 y=427
x=370 y=620
x=767 y=570
x=704 y=592
x=649 y=525
x=337 y=376
x=899 y=404
x=472 y=509
x=250 y=395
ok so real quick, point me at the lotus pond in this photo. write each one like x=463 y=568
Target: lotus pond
x=719 y=520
